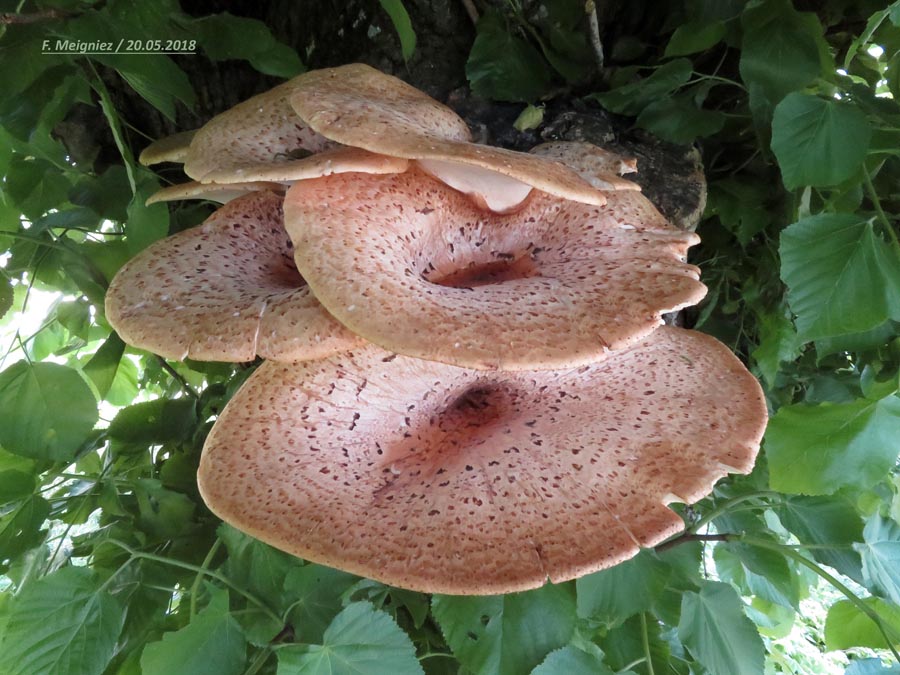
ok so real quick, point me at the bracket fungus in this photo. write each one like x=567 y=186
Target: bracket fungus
x=415 y=267
x=444 y=479
x=469 y=389
x=225 y=290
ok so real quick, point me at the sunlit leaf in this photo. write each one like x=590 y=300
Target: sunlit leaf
x=507 y=634
x=46 y=410
x=360 y=639
x=717 y=632
x=62 y=624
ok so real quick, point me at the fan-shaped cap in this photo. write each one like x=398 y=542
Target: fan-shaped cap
x=261 y=130
x=225 y=290
x=414 y=266
x=214 y=192
x=172 y=148
x=359 y=106
x=442 y=479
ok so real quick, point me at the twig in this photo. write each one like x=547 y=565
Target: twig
x=690 y=536
x=188 y=389
x=471 y=10
x=590 y=8
x=10 y=18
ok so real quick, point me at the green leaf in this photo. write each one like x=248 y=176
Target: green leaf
x=881 y=557
x=847 y=626
x=831 y=525
x=61 y=624
x=314 y=593
x=155 y=422
x=758 y=571
x=15 y=485
x=46 y=410
x=21 y=529
x=211 y=644
x=402 y=24
x=504 y=67
x=572 y=660
x=816 y=450
x=715 y=629
x=779 y=53
x=632 y=98
x=102 y=367
x=507 y=634
x=145 y=224
x=612 y=595
x=678 y=119
x=6 y=297
x=224 y=36
x=694 y=36
x=842 y=278
x=162 y=513
x=818 y=141
x=360 y=639
x=259 y=567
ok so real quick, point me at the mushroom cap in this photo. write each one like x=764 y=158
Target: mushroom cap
x=414 y=266
x=340 y=159
x=261 y=130
x=359 y=106
x=599 y=167
x=172 y=148
x=441 y=479
x=225 y=290
x=214 y=192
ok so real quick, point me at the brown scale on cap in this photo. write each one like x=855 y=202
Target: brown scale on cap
x=225 y=290
x=414 y=266
x=442 y=479
x=359 y=106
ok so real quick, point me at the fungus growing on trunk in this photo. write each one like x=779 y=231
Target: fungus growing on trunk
x=442 y=479
x=415 y=267
x=225 y=290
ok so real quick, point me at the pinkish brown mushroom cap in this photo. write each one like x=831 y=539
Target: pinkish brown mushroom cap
x=600 y=167
x=172 y=148
x=359 y=106
x=214 y=192
x=414 y=266
x=225 y=290
x=441 y=479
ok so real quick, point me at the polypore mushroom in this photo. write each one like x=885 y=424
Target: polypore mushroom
x=442 y=479
x=414 y=266
x=172 y=148
x=214 y=192
x=359 y=106
x=225 y=290
x=597 y=166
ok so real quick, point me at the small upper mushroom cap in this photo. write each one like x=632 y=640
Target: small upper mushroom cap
x=359 y=106
x=172 y=148
x=414 y=266
x=225 y=290
x=442 y=479
x=261 y=130
x=214 y=192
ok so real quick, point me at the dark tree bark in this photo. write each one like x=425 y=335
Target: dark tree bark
x=334 y=32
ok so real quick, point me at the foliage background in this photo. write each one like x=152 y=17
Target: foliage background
x=110 y=562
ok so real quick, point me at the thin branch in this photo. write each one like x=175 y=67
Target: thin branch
x=645 y=642
x=590 y=8
x=9 y=18
x=689 y=537
x=471 y=10
x=178 y=377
